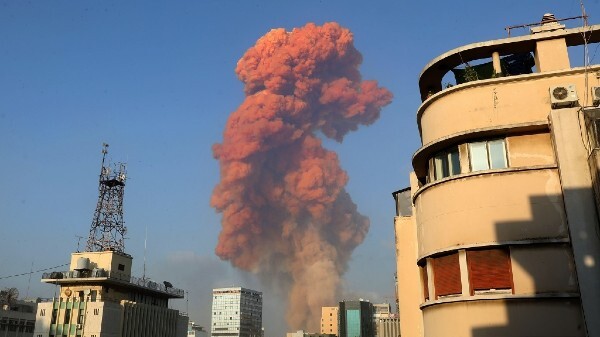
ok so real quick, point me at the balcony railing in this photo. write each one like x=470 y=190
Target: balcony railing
x=165 y=287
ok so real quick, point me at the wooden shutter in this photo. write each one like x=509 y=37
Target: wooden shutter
x=489 y=269
x=425 y=281
x=446 y=275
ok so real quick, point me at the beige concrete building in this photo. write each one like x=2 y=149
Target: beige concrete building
x=329 y=320
x=498 y=234
x=98 y=297
x=385 y=322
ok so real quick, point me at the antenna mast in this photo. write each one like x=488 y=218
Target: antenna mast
x=108 y=228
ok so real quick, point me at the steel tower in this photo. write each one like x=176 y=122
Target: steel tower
x=108 y=228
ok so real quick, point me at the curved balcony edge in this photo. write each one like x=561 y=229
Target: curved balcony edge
x=498 y=297
x=481 y=173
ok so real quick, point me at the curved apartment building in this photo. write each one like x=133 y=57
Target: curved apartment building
x=498 y=234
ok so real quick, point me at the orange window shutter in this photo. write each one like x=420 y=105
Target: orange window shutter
x=489 y=269
x=446 y=275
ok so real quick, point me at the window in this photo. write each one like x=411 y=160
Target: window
x=445 y=164
x=96 y=311
x=42 y=312
x=67 y=316
x=54 y=315
x=425 y=281
x=489 y=270
x=446 y=275
x=488 y=155
x=121 y=267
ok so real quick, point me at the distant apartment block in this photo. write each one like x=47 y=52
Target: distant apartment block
x=329 y=320
x=17 y=319
x=236 y=312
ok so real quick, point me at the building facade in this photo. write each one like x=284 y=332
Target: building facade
x=355 y=319
x=385 y=322
x=98 y=297
x=498 y=233
x=329 y=320
x=236 y=311
x=17 y=319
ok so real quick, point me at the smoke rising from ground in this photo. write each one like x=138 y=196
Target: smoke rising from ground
x=286 y=214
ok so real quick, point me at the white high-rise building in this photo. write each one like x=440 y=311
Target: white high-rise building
x=236 y=312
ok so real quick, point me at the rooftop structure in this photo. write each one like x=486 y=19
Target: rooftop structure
x=98 y=296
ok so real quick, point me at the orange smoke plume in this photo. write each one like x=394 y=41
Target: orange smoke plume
x=286 y=213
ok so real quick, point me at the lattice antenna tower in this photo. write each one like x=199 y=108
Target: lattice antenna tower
x=108 y=228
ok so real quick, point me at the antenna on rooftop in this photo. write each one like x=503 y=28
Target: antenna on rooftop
x=108 y=228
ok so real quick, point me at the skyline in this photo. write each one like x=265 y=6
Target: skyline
x=77 y=75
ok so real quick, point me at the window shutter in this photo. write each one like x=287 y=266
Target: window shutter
x=489 y=269
x=446 y=275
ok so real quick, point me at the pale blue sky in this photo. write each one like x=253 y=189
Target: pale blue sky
x=155 y=79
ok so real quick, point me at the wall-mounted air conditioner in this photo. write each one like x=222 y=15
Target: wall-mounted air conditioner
x=563 y=96
x=79 y=326
x=596 y=96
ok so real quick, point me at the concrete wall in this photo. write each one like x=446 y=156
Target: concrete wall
x=549 y=317
x=410 y=289
x=543 y=269
x=490 y=208
x=580 y=206
x=530 y=150
x=108 y=260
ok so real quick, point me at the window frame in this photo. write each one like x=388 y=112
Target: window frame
x=489 y=158
x=447 y=167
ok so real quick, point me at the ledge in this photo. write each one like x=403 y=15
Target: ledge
x=482 y=173
x=496 y=297
x=539 y=241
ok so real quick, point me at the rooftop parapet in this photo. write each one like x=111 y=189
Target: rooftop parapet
x=430 y=80
x=101 y=274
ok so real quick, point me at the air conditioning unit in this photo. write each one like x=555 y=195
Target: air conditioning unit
x=563 y=96
x=596 y=96
x=79 y=326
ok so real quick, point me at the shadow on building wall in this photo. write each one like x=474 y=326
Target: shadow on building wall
x=546 y=299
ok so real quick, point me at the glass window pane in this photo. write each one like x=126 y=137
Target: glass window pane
x=497 y=154
x=454 y=162
x=479 y=160
x=441 y=166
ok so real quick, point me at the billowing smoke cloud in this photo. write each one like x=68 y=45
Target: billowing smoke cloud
x=286 y=214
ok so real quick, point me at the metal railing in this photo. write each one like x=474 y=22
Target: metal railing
x=101 y=273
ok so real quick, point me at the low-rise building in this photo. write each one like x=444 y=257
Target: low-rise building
x=98 y=297
x=17 y=319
